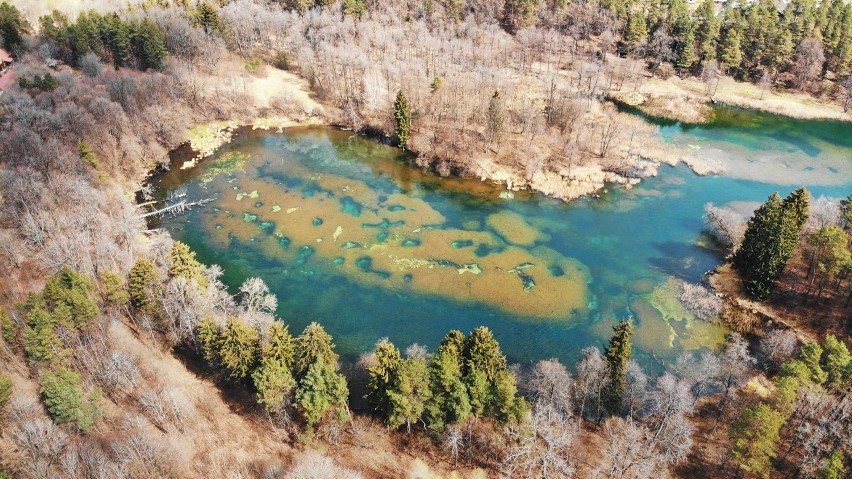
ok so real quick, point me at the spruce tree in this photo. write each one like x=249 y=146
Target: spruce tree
x=383 y=374
x=65 y=400
x=280 y=345
x=313 y=345
x=208 y=18
x=755 y=435
x=618 y=354
x=408 y=393
x=491 y=387
x=5 y=390
x=114 y=289
x=449 y=402
x=836 y=362
x=274 y=382
x=13 y=26
x=637 y=31
x=354 y=8
x=239 y=348
x=770 y=239
x=320 y=391
x=757 y=257
x=402 y=114
x=182 y=262
x=707 y=32
x=142 y=280
x=149 y=45
x=208 y=339
x=8 y=328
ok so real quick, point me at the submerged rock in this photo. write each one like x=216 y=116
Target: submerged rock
x=521 y=267
x=529 y=282
x=445 y=263
x=350 y=245
x=471 y=268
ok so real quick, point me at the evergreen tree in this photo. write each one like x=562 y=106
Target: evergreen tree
x=5 y=390
x=8 y=328
x=618 y=355
x=730 y=46
x=280 y=345
x=449 y=402
x=794 y=210
x=836 y=362
x=182 y=262
x=142 y=280
x=114 y=289
x=770 y=239
x=65 y=400
x=496 y=117
x=637 y=31
x=354 y=8
x=209 y=339
x=518 y=14
x=321 y=391
x=208 y=18
x=149 y=45
x=800 y=16
x=274 y=383
x=116 y=37
x=833 y=467
x=846 y=212
x=383 y=374
x=13 y=26
x=757 y=257
x=239 y=348
x=313 y=345
x=402 y=114
x=482 y=352
x=273 y=378
x=408 y=393
x=683 y=33
x=811 y=357
x=754 y=436
x=707 y=32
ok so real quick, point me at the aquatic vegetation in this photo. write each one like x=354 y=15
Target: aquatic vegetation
x=228 y=163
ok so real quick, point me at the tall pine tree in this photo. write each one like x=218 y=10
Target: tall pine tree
x=618 y=354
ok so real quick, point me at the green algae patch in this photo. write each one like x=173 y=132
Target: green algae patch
x=666 y=298
x=226 y=164
x=249 y=217
x=208 y=137
x=276 y=209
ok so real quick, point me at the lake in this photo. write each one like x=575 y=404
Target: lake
x=348 y=233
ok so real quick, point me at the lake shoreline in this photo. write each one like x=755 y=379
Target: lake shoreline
x=688 y=100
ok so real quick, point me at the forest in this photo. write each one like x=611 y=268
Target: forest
x=124 y=356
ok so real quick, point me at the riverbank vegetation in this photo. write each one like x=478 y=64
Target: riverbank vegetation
x=794 y=256
x=123 y=356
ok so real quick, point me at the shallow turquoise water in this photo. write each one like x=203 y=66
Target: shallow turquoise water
x=626 y=243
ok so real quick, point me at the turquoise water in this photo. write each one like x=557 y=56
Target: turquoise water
x=347 y=233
